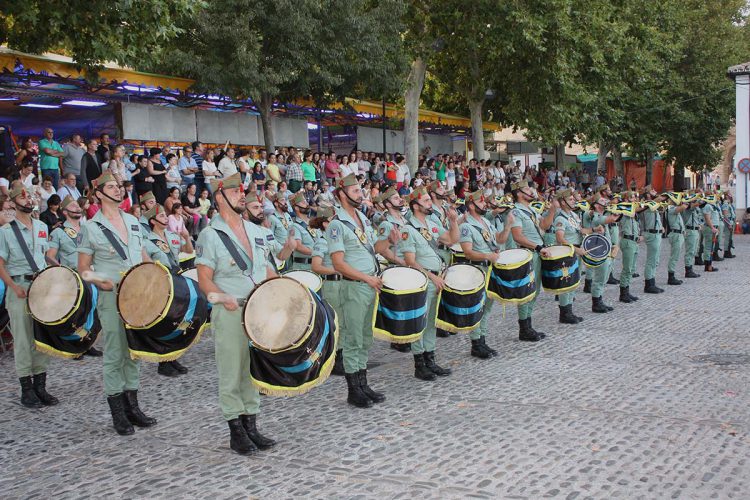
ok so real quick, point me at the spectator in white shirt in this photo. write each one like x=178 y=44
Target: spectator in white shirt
x=345 y=168
x=226 y=164
x=68 y=187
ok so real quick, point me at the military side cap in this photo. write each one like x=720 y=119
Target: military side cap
x=563 y=194
x=298 y=198
x=231 y=182
x=66 y=201
x=603 y=187
x=325 y=212
x=417 y=193
x=153 y=212
x=519 y=185
x=105 y=178
x=147 y=196
x=434 y=186
x=450 y=192
x=391 y=191
x=349 y=180
x=253 y=197
x=475 y=196
x=17 y=190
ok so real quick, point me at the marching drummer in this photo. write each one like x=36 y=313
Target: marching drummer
x=350 y=238
x=598 y=221
x=568 y=231
x=629 y=239
x=322 y=265
x=232 y=258
x=481 y=247
x=281 y=221
x=113 y=243
x=394 y=220
x=165 y=246
x=254 y=214
x=527 y=231
x=23 y=243
x=147 y=202
x=419 y=246
x=303 y=233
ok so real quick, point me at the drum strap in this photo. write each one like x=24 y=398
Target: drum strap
x=432 y=242
x=24 y=247
x=367 y=246
x=113 y=241
x=532 y=216
x=173 y=264
x=232 y=249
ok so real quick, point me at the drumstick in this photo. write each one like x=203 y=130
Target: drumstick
x=95 y=278
x=223 y=298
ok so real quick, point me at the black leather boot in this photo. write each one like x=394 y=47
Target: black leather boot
x=597 y=305
x=612 y=280
x=708 y=267
x=338 y=364
x=178 y=366
x=401 y=347
x=478 y=350
x=587 y=286
x=40 y=388
x=133 y=411
x=566 y=315
x=525 y=334
x=715 y=257
x=166 y=369
x=429 y=361
x=539 y=334
x=439 y=332
x=483 y=341
x=673 y=281
x=29 y=397
x=374 y=396
x=635 y=275
x=119 y=420
x=625 y=295
x=93 y=352
x=729 y=255
x=258 y=439
x=420 y=369
x=689 y=273
x=238 y=438
x=651 y=287
x=356 y=397
x=698 y=260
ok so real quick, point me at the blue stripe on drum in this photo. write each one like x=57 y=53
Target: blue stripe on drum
x=402 y=315
x=188 y=315
x=558 y=273
x=307 y=364
x=463 y=311
x=512 y=283
x=2 y=290
x=90 y=318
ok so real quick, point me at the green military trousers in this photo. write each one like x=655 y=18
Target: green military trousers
x=676 y=242
x=237 y=395
x=427 y=341
x=28 y=360
x=121 y=373
x=525 y=310
x=629 y=249
x=726 y=243
x=692 y=237
x=358 y=303
x=708 y=243
x=653 y=251
x=599 y=277
x=567 y=298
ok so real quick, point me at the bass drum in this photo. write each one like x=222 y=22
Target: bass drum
x=192 y=274
x=307 y=278
x=461 y=301
x=560 y=271
x=512 y=277
x=63 y=309
x=164 y=314
x=400 y=313
x=293 y=335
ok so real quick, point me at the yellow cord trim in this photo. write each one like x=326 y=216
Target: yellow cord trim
x=519 y=302
x=562 y=290
x=159 y=358
x=75 y=308
x=51 y=351
x=454 y=329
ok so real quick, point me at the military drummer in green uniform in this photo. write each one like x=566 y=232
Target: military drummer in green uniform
x=64 y=241
x=232 y=267
x=113 y=243
x=569 y=231
x=23 y=243
x=350 y=238
x=303 y=233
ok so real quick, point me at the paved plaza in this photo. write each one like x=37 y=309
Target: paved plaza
x=650 y=401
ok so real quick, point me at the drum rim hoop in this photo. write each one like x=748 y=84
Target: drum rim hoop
x=480 y=287
x=70 y=313
x=163 y=313
x=405 y=292
x=569 y=254
x=308 y=329
x=320 y=280
x=514 y=265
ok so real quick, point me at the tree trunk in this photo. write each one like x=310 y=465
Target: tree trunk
x=265 y=107
x=678 y=179
x=560 y=156
x=414 y=86
x=601 y=158
x=649 y=167
x=477 y=134
x=619 y=166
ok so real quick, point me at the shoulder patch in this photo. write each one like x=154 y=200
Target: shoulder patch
x=199 y=250
x=381 y=230
x=434 y=230
x=334 y=233
x=405 y=235
x=464 y=231
x=42 y=234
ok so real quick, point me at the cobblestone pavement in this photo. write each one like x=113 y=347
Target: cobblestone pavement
x=650 y=401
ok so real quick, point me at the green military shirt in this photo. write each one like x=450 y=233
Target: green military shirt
x=352 y=241
x=693 y=218
x=145 y=226
x=422 y=240
x=675 y=220
x=157 y=249
x=274 y=246
x=479 y=234
x=228 y=276
x=36 y=241
x=570 y=224
x=384 y=231
x=614 y=233
x=65 y=240
x=305 y=234
x=280 y=225
x=439 y=216
x=377 y=217
x=498 y=223
x=713 y=212
x=321 y=250
x=106 y=260
x=592 y=219
x=651 y=220
x=525 y=218
x=629 y=227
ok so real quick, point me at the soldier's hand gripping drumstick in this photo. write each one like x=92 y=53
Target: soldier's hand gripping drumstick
x=97 y=279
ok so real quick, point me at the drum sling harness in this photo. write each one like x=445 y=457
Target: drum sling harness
x=24 y=247
x=113 y=241
x=232 y=249
x=433 y=244
x=367 y=246
x=174 y=266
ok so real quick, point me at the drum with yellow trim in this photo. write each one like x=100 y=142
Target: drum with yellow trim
x=560 y=271
x=400 y=313
x=512 y=277
x=164 y=313
x=293 y=335
x=461 y=301
x=307 y=278
x=63 y=308
x=457 y=254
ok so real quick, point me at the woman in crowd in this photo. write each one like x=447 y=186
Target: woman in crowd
x=258 y=178
x=191 y=207
x=176 y=220
x=174 y=197
x=45 y=192
x=174 y=178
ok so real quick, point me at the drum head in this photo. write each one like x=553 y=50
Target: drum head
x=456 y=247
x=512 y=256
x=596 y=246
x=403 y=278
x=464 y=277
x=278 y=314
x=307 y=278
x=53 y=294
x=558 y=251
x=144 y=294
x=190 y=273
